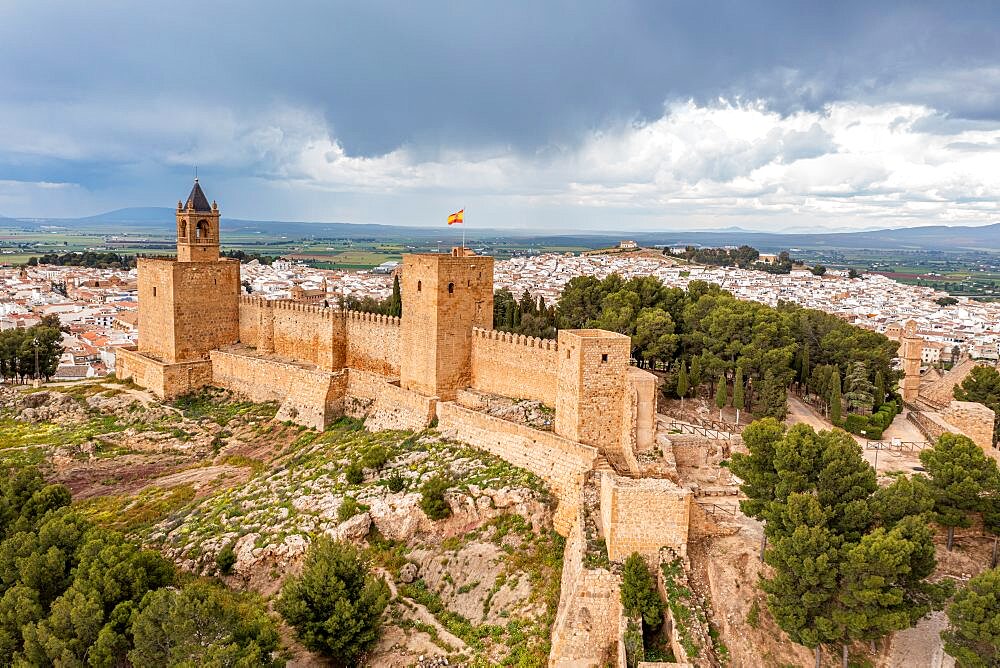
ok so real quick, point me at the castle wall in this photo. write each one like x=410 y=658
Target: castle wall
x=166 y=381
x=253 y=312
x=560 y=462
x=385 y=405
x=514 y=365
x=588 y=620
x=308 y=333
x=309 y=397
x=372 y=343
x=975 y=421
x=643 y=515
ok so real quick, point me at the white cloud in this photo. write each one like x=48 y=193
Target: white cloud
x=735 y=162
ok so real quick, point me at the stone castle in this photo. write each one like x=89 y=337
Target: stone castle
x=441 y=363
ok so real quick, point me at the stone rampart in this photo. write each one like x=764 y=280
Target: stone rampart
x=372 y=342
x=308 y=396
x=166 y=381
x=975 y=421
x=588 y=621
x=514 y=365
x=559 y=462
x=643 y=515
x=308 y=333
x=384 y=404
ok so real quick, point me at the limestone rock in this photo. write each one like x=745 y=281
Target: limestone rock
x=408 y=572
x=355 y=528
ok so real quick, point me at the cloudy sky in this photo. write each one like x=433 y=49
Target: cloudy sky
x=549 y=115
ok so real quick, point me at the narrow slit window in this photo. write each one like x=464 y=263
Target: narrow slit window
x=419 y=285
x=154 y=290
x=451 y=288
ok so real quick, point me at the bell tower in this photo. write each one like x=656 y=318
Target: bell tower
x=197 y=228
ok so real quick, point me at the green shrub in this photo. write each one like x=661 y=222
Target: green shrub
x=354 y=474
x=396 y=482
x=639 y=595
x=432 y=498
x=226 y=559
x=349 y=507
x=375 y=458
x=336 y=605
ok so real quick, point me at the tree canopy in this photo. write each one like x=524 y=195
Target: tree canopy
x=849 y=560
x=973 y=637
x=335 y=605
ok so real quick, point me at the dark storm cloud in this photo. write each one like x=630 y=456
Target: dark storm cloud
x=99 y=93
x=521 y=73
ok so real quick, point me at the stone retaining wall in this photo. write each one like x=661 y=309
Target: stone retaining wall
x=559 y=462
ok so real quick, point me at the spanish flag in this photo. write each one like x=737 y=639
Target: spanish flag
x=457 y=217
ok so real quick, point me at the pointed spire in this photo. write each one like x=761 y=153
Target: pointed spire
x=197 y=200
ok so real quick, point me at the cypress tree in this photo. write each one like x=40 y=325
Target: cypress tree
x=721 y=395
x=694 y=375
x=835 y=403
x=396 y=300
x=738 y=392
x=804 y=371
x=682 y=382
x=879 y=389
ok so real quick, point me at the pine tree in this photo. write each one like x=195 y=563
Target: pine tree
x=801 y=591
x=682 y=382
x=835 y=402
x=738 y=403
x=335 y=605
x=721 y=395
x=961 y=475
x=973 y=636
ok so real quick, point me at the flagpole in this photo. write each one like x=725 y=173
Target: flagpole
x=463 y=230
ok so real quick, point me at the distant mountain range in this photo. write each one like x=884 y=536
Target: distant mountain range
x=160 y=220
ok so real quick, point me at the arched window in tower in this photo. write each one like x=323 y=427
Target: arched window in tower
x=201 y=231
x=419 y=285
x=451 y=288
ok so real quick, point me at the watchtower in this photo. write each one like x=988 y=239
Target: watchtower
x=197 y=228
x=444 y=297
x=190 y=305
x=593 y=368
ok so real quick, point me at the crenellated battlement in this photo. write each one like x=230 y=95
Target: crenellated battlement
x=516 y=339
x=377 y=318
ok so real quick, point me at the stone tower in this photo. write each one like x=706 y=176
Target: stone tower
x=197 y=228
x=912 y=351
x=593 y=368
x=444 y=297
x=190 y=305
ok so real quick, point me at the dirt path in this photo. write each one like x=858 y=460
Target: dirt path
x=920 y=646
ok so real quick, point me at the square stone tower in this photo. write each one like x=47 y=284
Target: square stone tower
x=190 y=305
x=444 y=297
x=590 y=386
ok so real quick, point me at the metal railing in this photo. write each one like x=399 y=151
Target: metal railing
x=719 y=509
x=897 y=446
x=714 y=429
